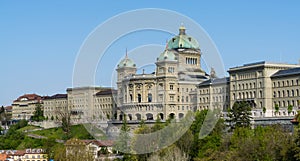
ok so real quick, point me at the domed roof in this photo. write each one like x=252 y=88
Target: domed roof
x=167 y=55
x=183 y=41
x=126 y=62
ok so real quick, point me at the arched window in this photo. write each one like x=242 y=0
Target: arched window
x=138 y=116
x=131 y=97
x=139 y=98
x=149 y=97
x=260 y=94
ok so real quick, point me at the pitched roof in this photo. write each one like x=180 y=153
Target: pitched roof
x=214 y=81
x=106 y=92
x=8 y=108
x=56 y=96
x=29 y=97
x=13 y=152
x=292 y=71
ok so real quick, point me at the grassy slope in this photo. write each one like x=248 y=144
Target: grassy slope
x=77 y=131
x=29 y=127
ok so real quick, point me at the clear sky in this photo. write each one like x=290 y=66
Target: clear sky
x=39 y=40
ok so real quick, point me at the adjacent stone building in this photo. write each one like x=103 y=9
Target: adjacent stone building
x=254 y=83
x=285 y=91
x=24 y=106
x=213 y=94
x=55 y=106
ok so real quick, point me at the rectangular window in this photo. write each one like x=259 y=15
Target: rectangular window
x=172 y=98
x=171 y=87
x=171 y=69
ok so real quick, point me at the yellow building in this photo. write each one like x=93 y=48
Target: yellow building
x=24 y=106
x=170 y=91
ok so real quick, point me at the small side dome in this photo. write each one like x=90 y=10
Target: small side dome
x=167 y=55
x=126 y=62
x=183 y=41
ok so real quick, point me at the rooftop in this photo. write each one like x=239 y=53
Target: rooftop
x=263 y=64
x=56 y=96
x=29 y=97
x=214 y=81
x=292 y=71
x=107 y=92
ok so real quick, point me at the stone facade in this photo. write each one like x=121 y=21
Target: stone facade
x=54 y=106
x=86 y=104
x=170 y=91
x=285 y=89
x=213 y=94
x=24 y=106
x=253 y=83
x=105 y=105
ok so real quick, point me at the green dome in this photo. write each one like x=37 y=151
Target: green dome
x=183 y=41
x=126 y=62
x=167 y=55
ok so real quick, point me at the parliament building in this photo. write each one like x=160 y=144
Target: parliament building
x=178 y=85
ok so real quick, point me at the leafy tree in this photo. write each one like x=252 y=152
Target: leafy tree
x=172 y=153
x=261 y=143
x=1 y=130
x=2 y=110
x=276 y=108
x=38 y=114
x=122 y=143
x=66 y=124
x=3 y=116
x=264 y=109
x=290 y=109
x=239 y=115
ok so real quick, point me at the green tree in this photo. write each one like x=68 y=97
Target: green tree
x=38 y=114
x=239 y=115
x=276 y=108
x=123 y=140
x=66 y=124
x=3 y=116
x=1 y=130
x=2 y=109
x=290 y=109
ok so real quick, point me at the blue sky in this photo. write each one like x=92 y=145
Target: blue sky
x=39 y=40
